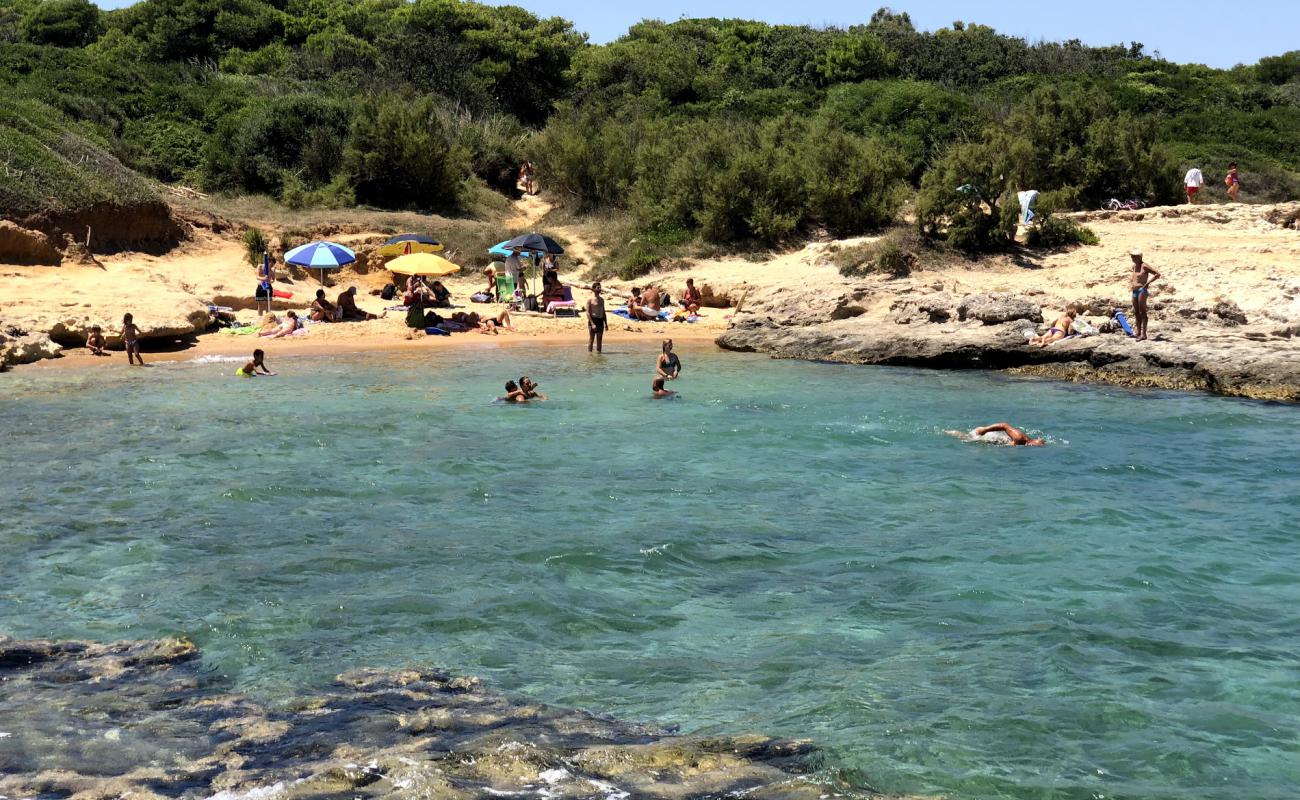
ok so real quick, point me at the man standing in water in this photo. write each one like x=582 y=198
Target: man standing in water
x=1139 y=282
x=595 y=319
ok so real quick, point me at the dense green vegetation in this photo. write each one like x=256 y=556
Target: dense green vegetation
x=723 y=131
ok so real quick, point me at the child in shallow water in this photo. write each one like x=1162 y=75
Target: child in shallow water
x=250 y=369
x=658 y=391
x=131 y=338
x=513 y=394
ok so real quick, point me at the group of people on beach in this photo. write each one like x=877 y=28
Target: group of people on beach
x=1194 y=180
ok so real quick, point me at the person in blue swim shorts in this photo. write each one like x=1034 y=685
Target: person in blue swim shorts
x=1139 y=283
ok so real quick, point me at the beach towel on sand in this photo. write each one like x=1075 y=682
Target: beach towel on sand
x=625 y=314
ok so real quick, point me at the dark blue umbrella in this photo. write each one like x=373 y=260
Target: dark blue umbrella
x=534 y=242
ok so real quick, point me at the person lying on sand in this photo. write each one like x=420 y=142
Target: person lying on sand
x=513 y=394
x=288 y=326
x=323 y=310
x=1061 y=328
x=529 y=389
x=250 y=369
x=658 y=391
x=998 y=433
x=473 y=321
x=95 y=341
x=347 y=303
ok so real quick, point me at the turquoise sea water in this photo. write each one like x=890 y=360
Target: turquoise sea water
x=791 y=548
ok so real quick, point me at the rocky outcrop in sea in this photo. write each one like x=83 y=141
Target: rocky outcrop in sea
x=145 y=720
x=1195 y=346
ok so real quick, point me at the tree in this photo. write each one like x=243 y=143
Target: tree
x=400 y=154
x=62 y=23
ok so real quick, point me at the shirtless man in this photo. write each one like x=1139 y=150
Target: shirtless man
x=1139 y=283
x=323 y=310
x=638 y=310
x=1002 y=433
x=347 y=303
x=652 y=299
x=595 y=319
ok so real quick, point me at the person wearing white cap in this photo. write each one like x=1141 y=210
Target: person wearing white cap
x=1139 y=283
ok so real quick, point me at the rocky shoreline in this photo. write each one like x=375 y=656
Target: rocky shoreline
x=1205 y=347
x=145 y=720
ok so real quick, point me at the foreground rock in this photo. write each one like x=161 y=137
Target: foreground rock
x=144 y=720
x=1207 y=346
x=19 y=346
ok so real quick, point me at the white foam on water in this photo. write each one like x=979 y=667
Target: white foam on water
x=656 y=550
x=217 y=359
x=256 y=793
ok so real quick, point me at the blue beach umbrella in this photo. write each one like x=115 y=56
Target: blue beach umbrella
x=500 y=249
x=321 y=256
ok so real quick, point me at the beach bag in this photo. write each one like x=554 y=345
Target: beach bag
x=415 y=316
x=389 y=292
x=530 y=303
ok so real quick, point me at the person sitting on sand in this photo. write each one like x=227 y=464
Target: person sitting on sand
x=668 y=366
x=1061 y=328
x=636 y=308
x=323 y=310
x=417 y=293
x=999 y=433
x=285 y=328
x=441 y=295
x=513 y=394
x=529 y=389
x=249 y=370
x=347 y=303
x=653 y=299
x=691 y=297
x=552 y=289
x=658 y=391
x=95 y=341
x=1139 y=282
x=131 y=340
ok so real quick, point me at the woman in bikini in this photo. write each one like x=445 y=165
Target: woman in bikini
x=1060 y=329
x=668 y=366
x=1233 y=181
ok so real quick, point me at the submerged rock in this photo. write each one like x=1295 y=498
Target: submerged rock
x=145 y=720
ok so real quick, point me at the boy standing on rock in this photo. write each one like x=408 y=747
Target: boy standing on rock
x=1139 y=282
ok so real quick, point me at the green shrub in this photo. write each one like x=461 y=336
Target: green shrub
x=255 y=245
x=893 y=254
x=401 y=154
x=62 y=23
x=1053 y=233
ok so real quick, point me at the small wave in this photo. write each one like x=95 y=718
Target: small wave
x=217 y=359
x=656 y=550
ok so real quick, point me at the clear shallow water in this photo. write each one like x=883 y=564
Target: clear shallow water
x=791 y=548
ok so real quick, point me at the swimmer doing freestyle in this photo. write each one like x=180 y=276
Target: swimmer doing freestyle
x=1008 y=435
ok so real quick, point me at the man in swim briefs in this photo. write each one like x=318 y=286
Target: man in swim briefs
x=595 y=319
x=1003 y=433
x=1139 y=283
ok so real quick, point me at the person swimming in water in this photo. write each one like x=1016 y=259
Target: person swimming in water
x=657 y=390
x=998 y=433
x=529 y=388
x=513 y=394
x=668 y=366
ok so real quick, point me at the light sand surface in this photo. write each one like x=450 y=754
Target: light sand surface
x=1205 y=253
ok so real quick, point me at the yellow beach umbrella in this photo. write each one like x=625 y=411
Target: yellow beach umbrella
x=426 y=264
x=404 y=248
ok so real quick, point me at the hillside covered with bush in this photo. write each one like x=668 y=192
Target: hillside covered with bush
x=723 y=131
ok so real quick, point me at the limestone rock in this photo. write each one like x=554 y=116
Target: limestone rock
x=993 y=309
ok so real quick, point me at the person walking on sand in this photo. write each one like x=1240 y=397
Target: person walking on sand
x=131 y=339
x=1193 y=181
x=249 y=370
x=526 y=176
x=1139 y=283
x=595 y=319
x=668 y=366
x=1233 y=181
